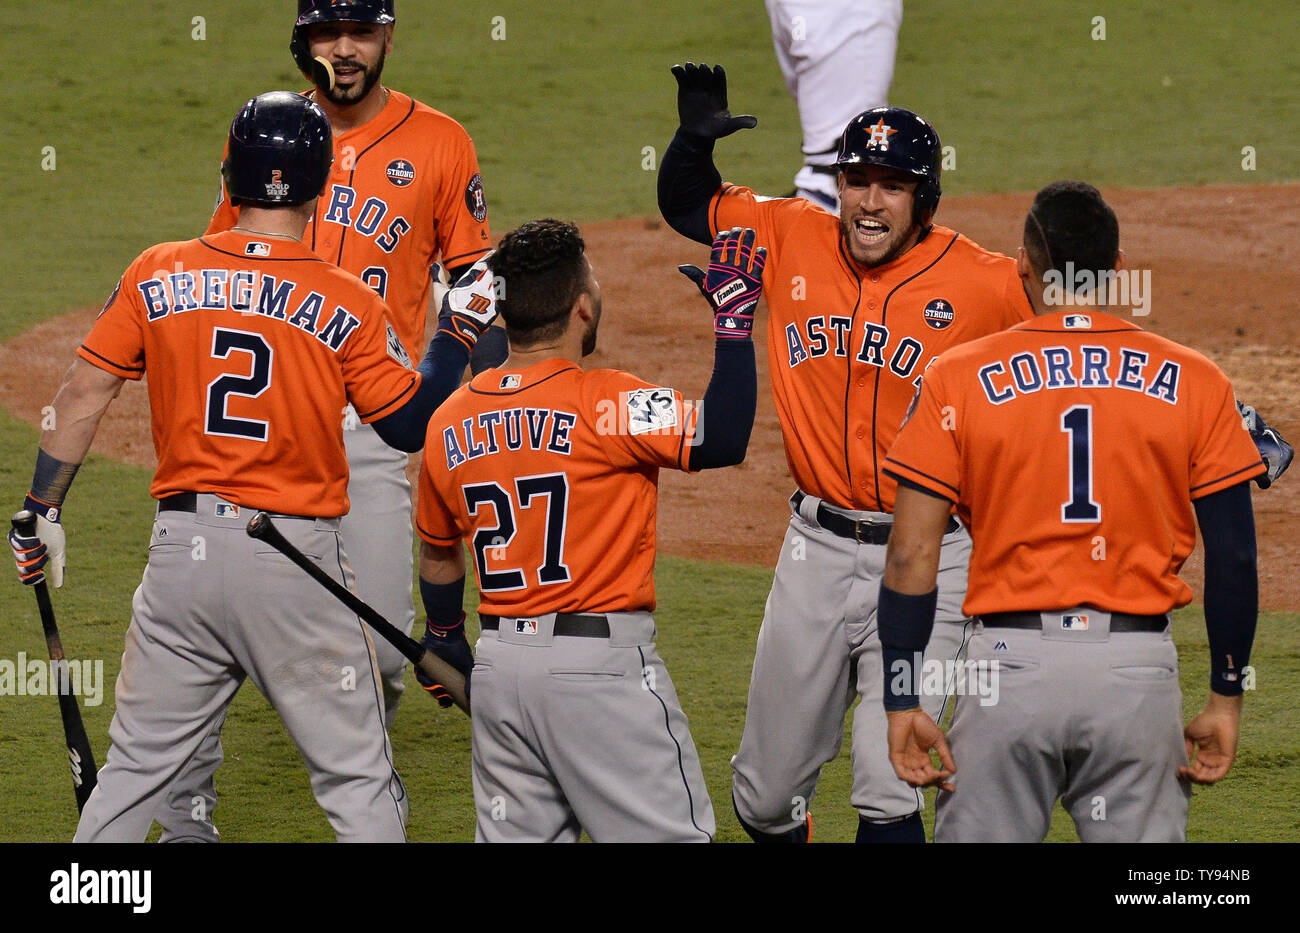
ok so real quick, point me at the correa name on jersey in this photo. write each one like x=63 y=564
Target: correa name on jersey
x=248 y=292
x=1086 y=367
x=815 y=340
x=368 y=219
x=491 y=432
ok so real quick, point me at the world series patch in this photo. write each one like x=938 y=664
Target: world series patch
x=938 y=314
x=651 y=410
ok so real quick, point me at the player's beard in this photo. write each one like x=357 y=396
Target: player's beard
x=346 y=97
x=898 y=241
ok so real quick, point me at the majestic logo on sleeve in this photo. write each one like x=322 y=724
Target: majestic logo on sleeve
x=474 y=199
x=938 y=314
x=401 y=173
x=880 y=136
x=276 y=188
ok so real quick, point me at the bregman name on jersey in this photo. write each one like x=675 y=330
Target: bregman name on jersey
x=541 y=428
x=248 y=292
x=1084 y=367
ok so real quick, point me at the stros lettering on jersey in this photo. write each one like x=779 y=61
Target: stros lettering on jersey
x=368 y=221
x=847 y=344
x=1065 y=509
x=284 y=341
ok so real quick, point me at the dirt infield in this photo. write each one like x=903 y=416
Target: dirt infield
x=1224 y=281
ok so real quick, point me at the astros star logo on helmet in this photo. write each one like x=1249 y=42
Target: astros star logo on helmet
x=880 y=134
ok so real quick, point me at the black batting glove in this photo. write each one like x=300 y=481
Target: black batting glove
x=1273 y=448
x=702 y=102
x=451 y=645
x=734 y=282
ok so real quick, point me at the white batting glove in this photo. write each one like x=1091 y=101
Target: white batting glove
x=44 y=554
x=470 y=306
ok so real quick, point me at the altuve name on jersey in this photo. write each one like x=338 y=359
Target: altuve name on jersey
x=248 y=292
x=1084 y=367
x=508 y=429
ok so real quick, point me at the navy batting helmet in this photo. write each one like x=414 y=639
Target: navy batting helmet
x=334 y=11
x=280 y=152
x=896 y=138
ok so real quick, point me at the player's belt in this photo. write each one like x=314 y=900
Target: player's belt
x=863 y=532
x=1119 y=621
x=580 y=626
x=188 y=502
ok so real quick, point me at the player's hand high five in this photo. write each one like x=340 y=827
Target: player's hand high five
x=470 y=306
x=734 y=282
x=702 y=102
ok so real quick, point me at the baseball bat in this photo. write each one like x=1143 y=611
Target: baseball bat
x=262 y=528
x=80 y=758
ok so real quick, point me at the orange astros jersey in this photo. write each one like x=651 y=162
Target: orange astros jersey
x=847 y=344
x=552 y=473
x=1073 y=445
x=405 y=189
x=252 y=346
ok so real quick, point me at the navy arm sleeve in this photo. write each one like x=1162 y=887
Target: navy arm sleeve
x=688 y=179
x=1227 y=523
x=727 y=410
x=440 y=373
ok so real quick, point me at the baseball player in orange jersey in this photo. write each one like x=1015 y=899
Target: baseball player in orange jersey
x=1076 y=447
x=857 y=308
x=550 y=473
x=405 y=192
x=251 y=345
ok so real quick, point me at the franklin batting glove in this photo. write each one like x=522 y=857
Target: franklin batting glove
x=470 y=306
x=1273 y=448
x=734 y=282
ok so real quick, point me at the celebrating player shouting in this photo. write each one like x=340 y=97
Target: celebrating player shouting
x=858 y=306
x=551 y=474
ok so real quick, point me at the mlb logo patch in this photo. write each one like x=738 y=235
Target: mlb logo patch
x=226 y=510
x=257 y=249
x=510 y=382
x=1078 y=322
x=525 y=626
x=1074 y=623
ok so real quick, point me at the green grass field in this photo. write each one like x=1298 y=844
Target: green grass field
x=113 y=133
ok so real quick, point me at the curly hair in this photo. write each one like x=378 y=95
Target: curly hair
x=541 y=272
x=1069 y=222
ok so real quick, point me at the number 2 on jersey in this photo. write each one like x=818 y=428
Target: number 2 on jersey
x=1077 y=422
x=215 y=419
x=554 y=487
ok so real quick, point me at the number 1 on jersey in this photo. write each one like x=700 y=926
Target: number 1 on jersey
x=1077 y=422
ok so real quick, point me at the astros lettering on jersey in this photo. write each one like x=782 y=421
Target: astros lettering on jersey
x=290 y=340
x=383 y=238
x=872 y=357
x=1079 y=530
x=501 y=458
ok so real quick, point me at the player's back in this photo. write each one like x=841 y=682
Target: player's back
x=1081 y=440
x=551 y=474
x=252 y=347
